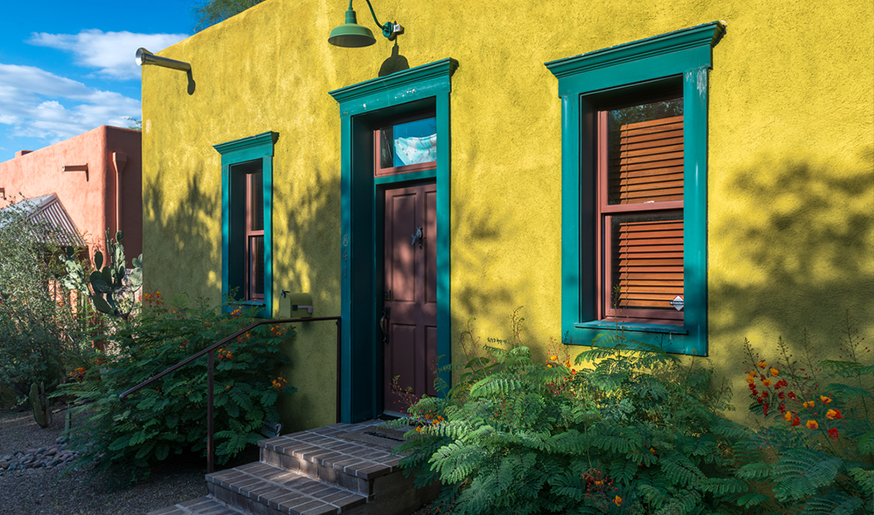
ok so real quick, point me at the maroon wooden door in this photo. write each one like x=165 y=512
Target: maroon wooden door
x=410 y=292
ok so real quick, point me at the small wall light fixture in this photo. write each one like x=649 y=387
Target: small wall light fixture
x=353 y=35
x=145 y=57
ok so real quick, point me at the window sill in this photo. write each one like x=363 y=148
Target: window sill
x=640 y=328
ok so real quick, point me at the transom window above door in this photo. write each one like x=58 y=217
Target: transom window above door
x=407 y=146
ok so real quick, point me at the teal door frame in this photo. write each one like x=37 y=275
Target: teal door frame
x=362 y=106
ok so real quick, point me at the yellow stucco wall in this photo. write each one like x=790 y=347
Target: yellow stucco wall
x=791 y=159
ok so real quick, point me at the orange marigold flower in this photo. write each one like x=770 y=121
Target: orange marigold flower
x=617 y=501
x=833 y=432
x=811 y=424
x=833 y=414
x=775 y=372
x=762 y=364
x=825 y=399
x=808 y=404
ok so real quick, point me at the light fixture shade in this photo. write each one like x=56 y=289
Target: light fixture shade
x=351 y=34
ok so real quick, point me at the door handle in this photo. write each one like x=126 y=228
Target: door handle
x=383 y=323
x=418 y=237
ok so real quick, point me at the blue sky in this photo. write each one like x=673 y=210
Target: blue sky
x=68 y=67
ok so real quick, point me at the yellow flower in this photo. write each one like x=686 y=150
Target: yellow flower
x=824 y=399
x=775 y=372
x=808 y=404
x=811 y=424
x=766 y=382
x=788 y=416
x=762 y=364
x=553 y=358
x=617 y=501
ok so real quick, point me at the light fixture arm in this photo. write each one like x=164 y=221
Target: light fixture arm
x=389 y=30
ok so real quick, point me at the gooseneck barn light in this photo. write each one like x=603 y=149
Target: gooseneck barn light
x=352 y=35
x=145 y=57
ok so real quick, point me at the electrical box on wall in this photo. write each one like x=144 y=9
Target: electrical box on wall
x=295 y=305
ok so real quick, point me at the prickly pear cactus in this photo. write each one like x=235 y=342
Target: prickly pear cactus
x=105 y=286
x=41 y=412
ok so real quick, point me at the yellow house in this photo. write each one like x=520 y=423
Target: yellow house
x=695 y=172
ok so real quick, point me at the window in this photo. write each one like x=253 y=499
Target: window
x=634 y=190
x=247 y=269
x=407 y=146
x=639 y=226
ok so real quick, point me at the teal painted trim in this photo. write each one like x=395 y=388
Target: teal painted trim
x=643 y=328
x=346 y=355
x=423 y=81
x=695 y=100
x=444 y=260
x=686 y=53
x=706 y=34
x=240 y=151
x=259 y=143
x=361 y=299
x=408 y=177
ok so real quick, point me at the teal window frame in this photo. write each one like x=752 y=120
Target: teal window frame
x=684 y=55
x=258 y=147
x=363 y=107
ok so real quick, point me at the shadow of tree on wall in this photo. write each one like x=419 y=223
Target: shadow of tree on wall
x=306 y=250
x=796 y=255
x=181 y=235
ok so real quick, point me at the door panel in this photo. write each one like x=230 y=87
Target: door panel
x=411 y=276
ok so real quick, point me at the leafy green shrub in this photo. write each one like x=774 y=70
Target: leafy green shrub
x=636 y=432
x=37 y=324
x=169 y=417
x=816 y=450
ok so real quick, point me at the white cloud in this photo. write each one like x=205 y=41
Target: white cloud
x=111 y=53
x=40 y=104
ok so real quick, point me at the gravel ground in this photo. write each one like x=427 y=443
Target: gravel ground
x=50 y=491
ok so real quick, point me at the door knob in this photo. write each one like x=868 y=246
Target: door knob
x=418 y=237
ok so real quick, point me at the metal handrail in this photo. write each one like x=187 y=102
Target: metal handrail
x=210 y=444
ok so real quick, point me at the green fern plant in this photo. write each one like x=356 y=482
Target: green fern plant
x=634 y=432
x=815 y=449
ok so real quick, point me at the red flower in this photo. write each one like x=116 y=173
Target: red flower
x=791 y=395
x=796 y=421
x=833 y=432
x=833 y=414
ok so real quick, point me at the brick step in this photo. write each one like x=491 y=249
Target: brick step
x=201 y=506
x=323 y=454
x=314 y=472
x=262 y=489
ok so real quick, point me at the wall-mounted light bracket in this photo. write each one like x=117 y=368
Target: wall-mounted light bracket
x=145 y=57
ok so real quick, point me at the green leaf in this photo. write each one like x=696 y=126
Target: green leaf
x=98 y=260
x=162 y=451
x=101 y=305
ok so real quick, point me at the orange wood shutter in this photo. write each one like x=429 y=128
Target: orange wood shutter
x=649 y=164
x=648 y=264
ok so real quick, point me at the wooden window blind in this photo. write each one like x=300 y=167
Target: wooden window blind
x=641 y=202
